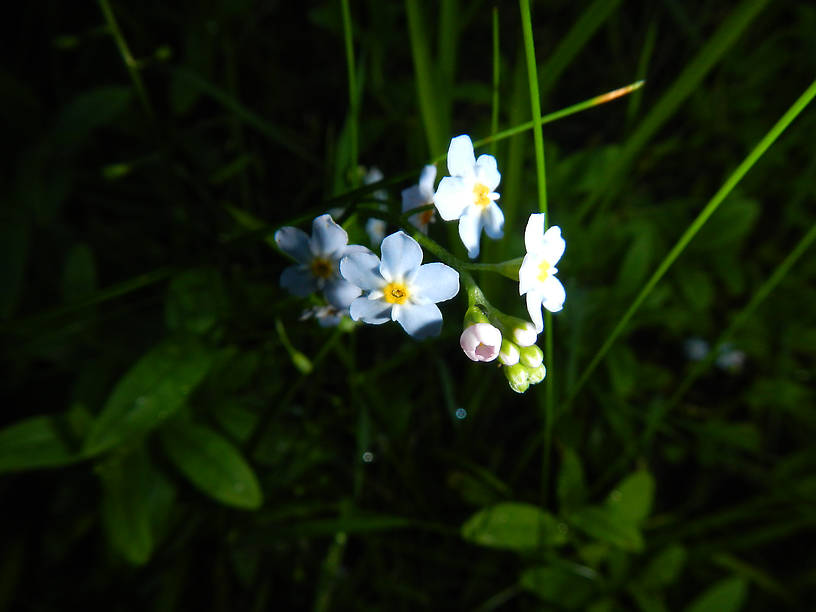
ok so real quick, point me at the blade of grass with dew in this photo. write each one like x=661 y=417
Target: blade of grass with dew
x=643 y=67
x=688 y=81
x=348 y=38
x=541 y=180
x=592 y=18
x=732 y=181
x=424 y=78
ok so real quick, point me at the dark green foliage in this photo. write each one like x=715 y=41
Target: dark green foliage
x=176 y=435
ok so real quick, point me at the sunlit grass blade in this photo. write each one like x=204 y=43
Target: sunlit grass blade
x=348 y=38
x=424 y=78
x=717 y=46
x=541 y=181
x=695 y=226
x=592 y=18
x=739 y=321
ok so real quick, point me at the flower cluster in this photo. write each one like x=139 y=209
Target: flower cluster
x=397 y=286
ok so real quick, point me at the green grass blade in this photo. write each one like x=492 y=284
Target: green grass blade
x=681 y=89
x=494 y=113
x=348 y=38
x=424 y=78
x=695 y=226
x=643 y=67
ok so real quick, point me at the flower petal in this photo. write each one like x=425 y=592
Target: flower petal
x=412 y=198
x=493 y=221
x=362 y=270
x=401 y=256
x=553 y=294
x=452 y=198
x=553 y=245
x=461 y=159
x=298 y=281
x=376 y=228
x=294 y=242
x=420 y=320
x=534 y=232
x=534 y=310
x=435 y=282
x=328 y=238
x=528 y=274
x=374 y=312
x=426 y=182
x=470 y=229
x=357 y=248
x=487 y=172
x=340 y=293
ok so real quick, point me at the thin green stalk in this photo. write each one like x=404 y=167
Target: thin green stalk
x=424 y=79
x=494 y=116
x=538 y=140
x=763 y=292
x=642 y=68
x=130 y=63
x=695 y=226
x=348 y=37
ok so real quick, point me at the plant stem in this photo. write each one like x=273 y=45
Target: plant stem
x=352 y=84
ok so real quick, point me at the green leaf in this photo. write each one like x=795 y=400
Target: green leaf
x=513 y=526
x=665 y=568
x=571 y=487
x=127 y=483
x=606 y=525
x=570 y=590
x=212 y=464
x=37 y=442
x=195 y=301
x=632 y=499
x=724 y=596
x=151 y=391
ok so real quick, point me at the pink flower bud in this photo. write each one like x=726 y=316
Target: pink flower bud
x=481 y=342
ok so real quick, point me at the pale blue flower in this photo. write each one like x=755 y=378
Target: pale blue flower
x=376 y=228
x=537 y=273
x=418 y=195
x=399 y=288
x=468 y=194
x=318 y=261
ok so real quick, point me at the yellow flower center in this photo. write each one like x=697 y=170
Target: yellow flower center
x=480 y=195
x=396 y=293
x=321 y=267
x=543 y=271
x=425 y=217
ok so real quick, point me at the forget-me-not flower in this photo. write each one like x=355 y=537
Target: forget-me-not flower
x=318 y=261
x=537 y=272
x=468 y=194
x=481 y=342
x=399 y=288
x=375 y=228
x=418 y=195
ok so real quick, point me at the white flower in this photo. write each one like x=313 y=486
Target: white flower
x=481 y=342
x=696 y=348
x=326 y=316
x=537 y=272
x=376 y=228
x=418 y=195
x=398 y=287
x=318 y=258
x=468 y=194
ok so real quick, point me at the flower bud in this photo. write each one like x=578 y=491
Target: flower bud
x=525 y=334
x=536 y=375
x=474 y=315
x=531 y=356
x=481 y=342
x=509 y=354
x=518 y=377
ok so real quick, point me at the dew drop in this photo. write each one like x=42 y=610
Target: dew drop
x=368 y=457
x=461 y=413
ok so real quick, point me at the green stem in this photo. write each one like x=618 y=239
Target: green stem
x=538 y=141
x=352 y=84
x=130 y=63
x=695 y=226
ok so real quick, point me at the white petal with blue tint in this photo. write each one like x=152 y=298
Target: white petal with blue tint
x=294 y=242
x=461 y=158
x=552 y=245
x=534 y=232
x=340 y=293
x=401 y=255
x=493 y=221
x=426 y=182
x=328 y=238
x=487 y=172
x=470 y=228
x=362 y=270
x=412 y=198
x=298 y=281
x=374 y=312
x=419 y=320
x=553 y=294
x=534 y=310
x=435 y=282
x=452 y=197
